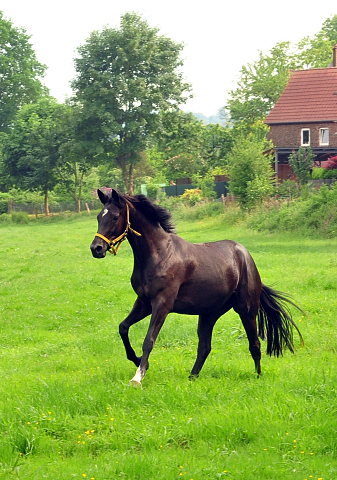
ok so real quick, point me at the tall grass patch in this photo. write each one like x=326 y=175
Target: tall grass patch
x=314 y=213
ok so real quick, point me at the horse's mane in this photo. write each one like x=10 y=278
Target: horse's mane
x=154 y=213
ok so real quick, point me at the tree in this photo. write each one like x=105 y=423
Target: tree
x=260 y=85
x=125 y=78
x=250 y=171
x=185 y=147
x=75 y=160
x=316 y=52
x=31 y=150
x=301 y=162
x=177 y=149
x=20 y=72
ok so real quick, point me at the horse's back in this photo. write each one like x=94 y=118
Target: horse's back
x=214 y=272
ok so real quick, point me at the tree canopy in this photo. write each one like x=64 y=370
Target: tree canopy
x=125 y=78
x=31 y=150
x=20 y=72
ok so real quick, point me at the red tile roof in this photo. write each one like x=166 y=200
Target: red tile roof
x=310 y=96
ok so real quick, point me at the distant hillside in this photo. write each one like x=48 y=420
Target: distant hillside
x=217 y=118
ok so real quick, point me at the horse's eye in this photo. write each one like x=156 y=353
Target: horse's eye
x=115 y=217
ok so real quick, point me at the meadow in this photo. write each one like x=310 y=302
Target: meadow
x=67 y=412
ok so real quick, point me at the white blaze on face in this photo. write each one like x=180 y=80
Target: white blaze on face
x=105 y=211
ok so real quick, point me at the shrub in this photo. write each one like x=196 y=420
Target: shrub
x=250 y=172
x=322 y=173
x=301 y=162
x=20 y=217
x=317 y=214
x=191 y=196
x=288 y=188
x=4 y=218
x=3 y=205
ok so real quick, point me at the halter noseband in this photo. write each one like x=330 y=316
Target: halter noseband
x=115 y=243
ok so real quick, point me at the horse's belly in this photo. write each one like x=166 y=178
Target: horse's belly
x=194 y=300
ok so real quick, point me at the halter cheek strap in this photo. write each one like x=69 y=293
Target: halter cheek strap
x=115 y=243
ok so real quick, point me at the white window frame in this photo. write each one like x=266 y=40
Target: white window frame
x=302 y=143
x=320 y=136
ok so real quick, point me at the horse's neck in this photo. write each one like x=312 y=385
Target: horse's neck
x=153 y=237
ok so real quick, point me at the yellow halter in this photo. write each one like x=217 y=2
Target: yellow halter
x=115 y=243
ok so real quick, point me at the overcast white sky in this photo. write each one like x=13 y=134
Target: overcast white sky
x=219 y=35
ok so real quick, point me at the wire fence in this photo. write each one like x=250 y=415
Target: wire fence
x=54 y=207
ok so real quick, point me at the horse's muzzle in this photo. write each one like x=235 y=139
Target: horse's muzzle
x=97 y=250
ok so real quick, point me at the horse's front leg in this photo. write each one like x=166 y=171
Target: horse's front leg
x=139 y=311
x=159 y=314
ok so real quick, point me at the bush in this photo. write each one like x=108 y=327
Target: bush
x=4 y=218
x=288 y=188
x=316 y=214
x=191 y=196
x=322 y=173
x=3 y=205
x=20 y=217
x=250 y=172
x=301 y=163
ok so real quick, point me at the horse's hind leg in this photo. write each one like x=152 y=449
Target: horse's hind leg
x=139 y=311
x=205 y=330
x=249 y=323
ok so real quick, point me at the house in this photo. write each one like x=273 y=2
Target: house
x=305 y=115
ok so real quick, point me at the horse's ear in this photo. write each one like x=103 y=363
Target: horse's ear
x=103 y=198
x=114 y=196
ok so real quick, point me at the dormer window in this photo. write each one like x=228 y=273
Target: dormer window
x=305 y=137
x=324 y=136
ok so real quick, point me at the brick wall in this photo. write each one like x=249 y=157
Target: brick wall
x=289 y=135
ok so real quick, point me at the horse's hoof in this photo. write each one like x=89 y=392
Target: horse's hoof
x=135 y=383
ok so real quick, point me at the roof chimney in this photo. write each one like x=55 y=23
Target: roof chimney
x=334 y=63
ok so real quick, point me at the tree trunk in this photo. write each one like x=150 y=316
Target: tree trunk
x=46 y=204
x=131 y=185
x=78 y=201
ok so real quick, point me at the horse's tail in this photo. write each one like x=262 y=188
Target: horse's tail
x=275 y=321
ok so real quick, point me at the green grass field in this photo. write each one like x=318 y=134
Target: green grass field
x=66 y=411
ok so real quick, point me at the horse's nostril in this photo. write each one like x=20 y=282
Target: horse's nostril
x=99 y=248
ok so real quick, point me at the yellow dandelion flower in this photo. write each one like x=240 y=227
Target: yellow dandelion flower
x=83 y=475
x=111 y=419
x=87 y=432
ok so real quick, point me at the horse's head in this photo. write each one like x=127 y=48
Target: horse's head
x=111 y=223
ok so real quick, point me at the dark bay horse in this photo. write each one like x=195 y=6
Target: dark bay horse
x=205 y=279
